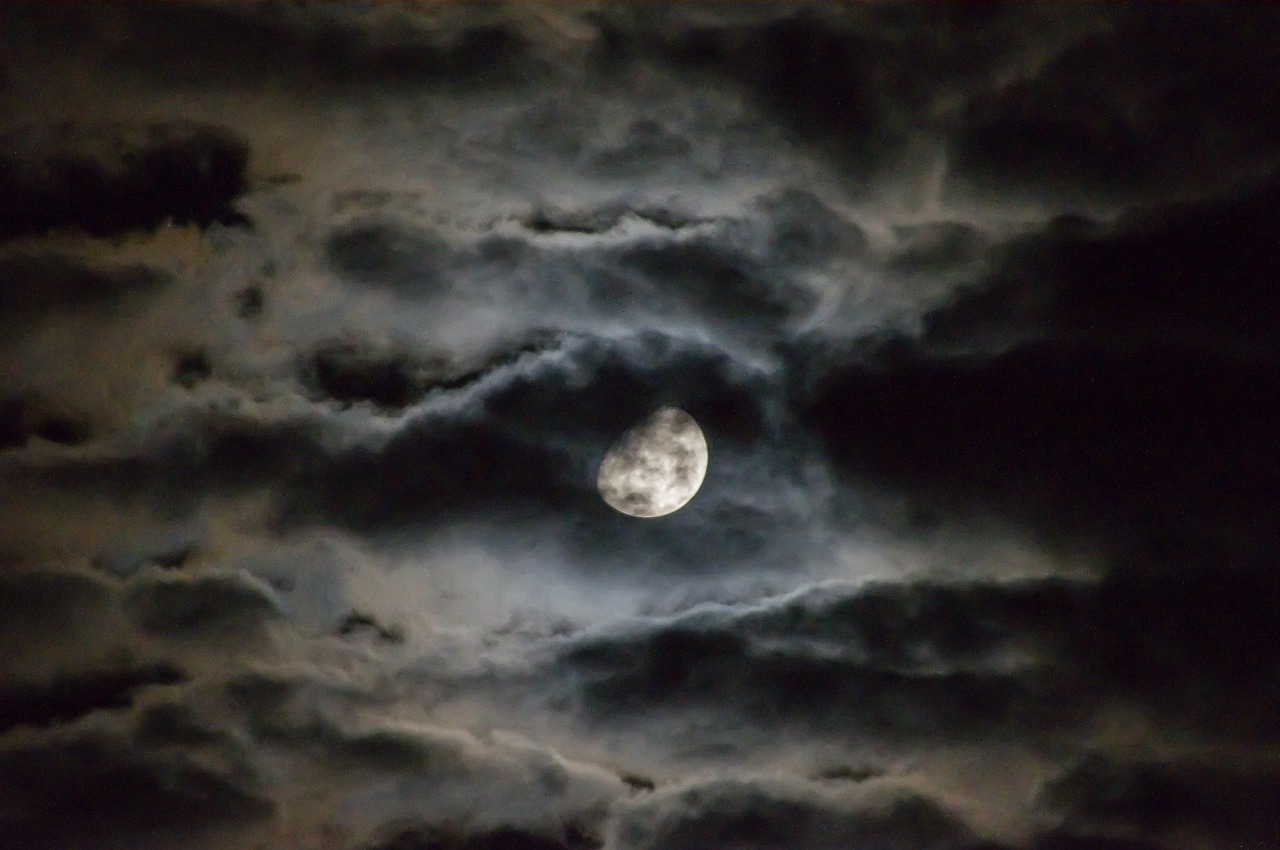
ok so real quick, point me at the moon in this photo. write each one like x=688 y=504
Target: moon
x=656 y=467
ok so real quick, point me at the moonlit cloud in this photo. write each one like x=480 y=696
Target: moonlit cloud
x=316 y=322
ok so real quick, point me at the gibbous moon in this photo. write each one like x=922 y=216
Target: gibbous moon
x=655 y=468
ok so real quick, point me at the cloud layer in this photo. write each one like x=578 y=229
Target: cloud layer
x=317 y=321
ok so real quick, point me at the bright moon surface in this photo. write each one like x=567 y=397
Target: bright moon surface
x=656 y=467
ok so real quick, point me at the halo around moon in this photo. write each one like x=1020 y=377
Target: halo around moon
x=656 y=467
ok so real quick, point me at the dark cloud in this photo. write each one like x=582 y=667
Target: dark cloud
x=37 y=285
x=48 y=603
x=93 y=790
x=351 y=372
x=175 y=724
x=250 y=302
x=426 y=838
x=1229 y=803
x=440 y=470
x=1041 y=431
x=192 y=367
x=72 y=696
x=861 y=83
x=358 y=623
x=697 y=276
x=739 y=273
x=347 y=375
x=303 y=715
x=846 y=773
x=598 y=220
x=167 y=555
x=1188 y=276
x=804 y=231
x=385 y=255
x=1135 y=360
x=210 y=44
x=108 y=180
x=199 y=606
x=937 y=247
x=291 y=712
x=1187 y=643
x=739 y=814
x=817 y=77
x=441 y=784
x=1059 y=840
x=699 y=669
x=1146 y=104
x=21 y=421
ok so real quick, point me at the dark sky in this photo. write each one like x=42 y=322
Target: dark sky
x=316 y=321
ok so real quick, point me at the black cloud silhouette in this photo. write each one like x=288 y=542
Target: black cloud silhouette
x=737 y=814
x=110 y=180
x=92 y=790
x=72 y=696
x=1103 y=796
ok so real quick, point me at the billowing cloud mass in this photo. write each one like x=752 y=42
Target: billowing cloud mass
x=316 y=321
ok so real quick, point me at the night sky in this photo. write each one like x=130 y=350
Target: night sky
x=317 y=319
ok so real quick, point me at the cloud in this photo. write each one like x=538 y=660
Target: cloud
x=110 y=179
x=39 y=284
x=76 y=643
x=413 y=838
x=1066 y=367
x=351 y=373
x=64 y=699
x=1067 y=841
x=787 y=681
x=816 y=78
x=1036 y=659
x=646 y=146
x=94 y=789
x=764 y=815
x=357 y=623
x=1142 y=105
x=44 y=292
x=619 y=262
x=936 y=248
x=218 y=753
x=867 y=88
x=1187 y=276
x=21 y=421
x=519 y=437
x=387 y=771
x=1218 y=802
x=52 y=615
x=300 y=540
x=205 y=606
x=387 y=256
x=221 y=45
